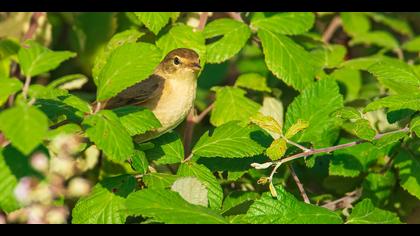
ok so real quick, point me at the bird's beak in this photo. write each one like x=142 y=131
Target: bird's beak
x=196 y=66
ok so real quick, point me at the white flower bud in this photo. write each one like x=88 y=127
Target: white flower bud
x=56 y=216
x=39 y=162
x=64 y=166
x=78 y=187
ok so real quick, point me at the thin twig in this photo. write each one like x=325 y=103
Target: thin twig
x=33 y=26
x=192 y=120
x=188 y=158
x=26 y=87
x=3 y=141
x=305 y=149
x=188 y=132
x=299 y=185
x=324 y=150
x=344 y=202
x=337 y=147
x=97 y=108
x=389 y=162
x=235 y=16
x=331 y=28
x=203 y=114
x=203 y=20
x=399 y=53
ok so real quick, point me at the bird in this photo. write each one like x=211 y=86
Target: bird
x=169 y=92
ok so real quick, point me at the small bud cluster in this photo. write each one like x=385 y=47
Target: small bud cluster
x=58 y=179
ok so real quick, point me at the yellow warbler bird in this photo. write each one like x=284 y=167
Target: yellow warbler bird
x=169 y=92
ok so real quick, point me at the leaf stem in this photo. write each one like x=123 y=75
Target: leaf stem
x=296 y=144
x=26 y=87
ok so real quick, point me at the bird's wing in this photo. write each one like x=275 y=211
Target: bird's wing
x=138 y=93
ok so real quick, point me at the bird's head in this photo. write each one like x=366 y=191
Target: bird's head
x=180 y=61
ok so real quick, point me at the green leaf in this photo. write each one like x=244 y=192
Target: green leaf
x=69 y=82
x=366 y=213
x=154 y=21
x=399 y=25
x=231 y=104
x=231 y=164
x=238 y=200
x=296 y=128
x=183 y=36
x=106 y=131
x=169 y=207
x=355 y=23
x=352 y=161
x=126 y=66
x=159 y=180
x=286 y=209
x=253 y=81
x=412 y=45
x=277 y=149
x=215 y=192
x=360 y=128
x=137 y=120
x=335 y=55
x=389 y=139
x=232 y=141
x=409 y=172
x=331 y=55
x=379 y=38
x=396 y=75
x=314 y=105
x=273 y=107
x=267 y=123
x=395 y=102
x=379 y=187
x=13 y=166
x=347 y=113
x=139 y=162
x=287 y=60
x=351 y=79
x=399 y=115
x=168 y=149
x=8 y=48
x=106 y=203
x=17 y=122
x=35 y=59
x=122 y=38
x=64 y=129
x=289 y=23
x=8 y=87
x=191 y=190
x=415 y=125
x=56 y=102
x=362 y=63
x=234 y=36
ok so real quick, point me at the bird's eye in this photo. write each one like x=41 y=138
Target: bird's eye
x=177 y=61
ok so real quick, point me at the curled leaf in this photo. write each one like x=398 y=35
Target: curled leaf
x=259 y=166
x=277 y=149
x=296 y=128
x=268 y=123
x=272 y=190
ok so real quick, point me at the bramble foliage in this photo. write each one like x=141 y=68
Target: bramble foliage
x=304 y=120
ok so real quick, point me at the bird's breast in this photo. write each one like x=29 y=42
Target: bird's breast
x=174 y=103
